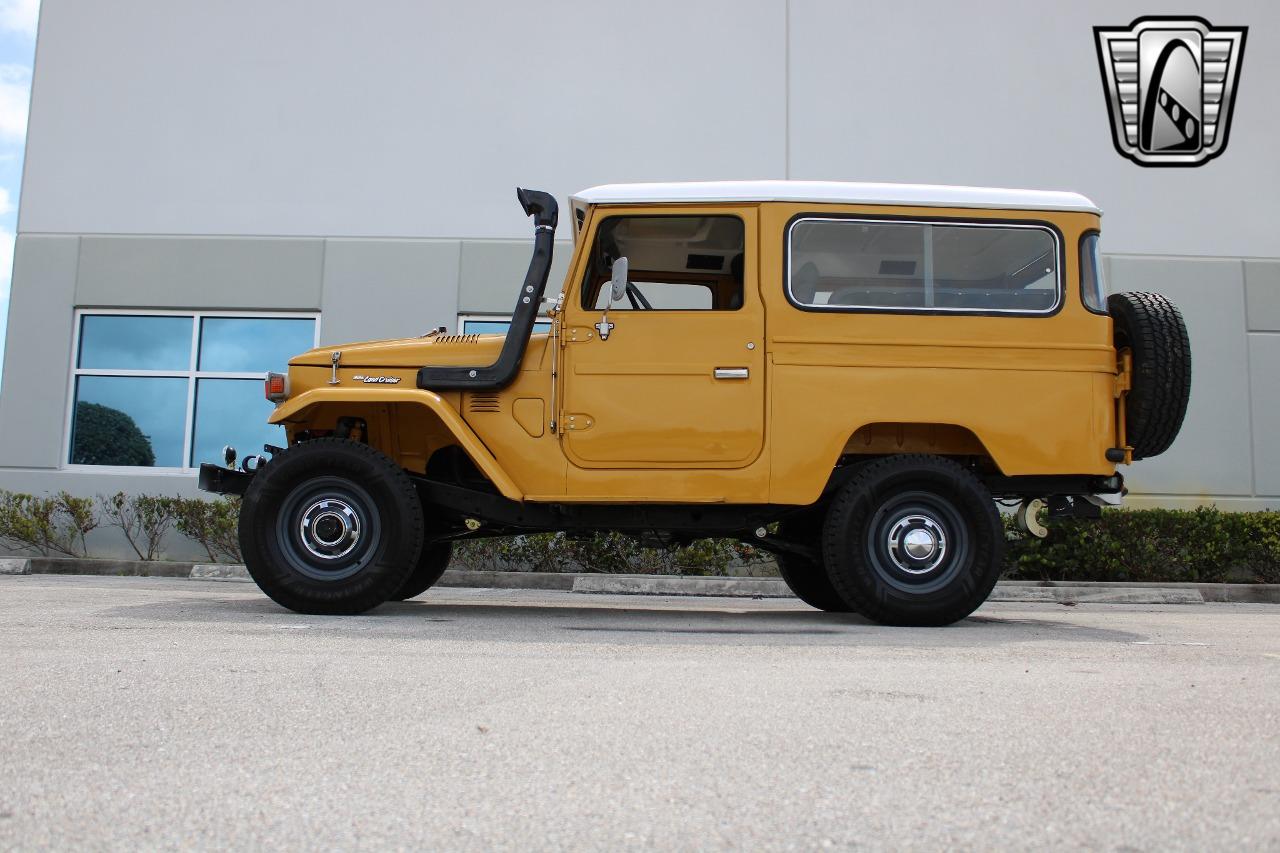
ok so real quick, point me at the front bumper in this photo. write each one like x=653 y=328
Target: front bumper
x=222 y=480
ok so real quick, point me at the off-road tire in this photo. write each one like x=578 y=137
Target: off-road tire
x=1152 y=328
x=432 y=562
x=883 y=504
x=807 y=579
x=330 y=526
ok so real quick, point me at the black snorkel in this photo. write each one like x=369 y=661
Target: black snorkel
x=542 y=207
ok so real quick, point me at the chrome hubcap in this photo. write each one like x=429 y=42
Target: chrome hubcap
x=917 y=544
x=329 y=528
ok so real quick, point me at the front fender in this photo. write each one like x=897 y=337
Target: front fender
x=297 y=408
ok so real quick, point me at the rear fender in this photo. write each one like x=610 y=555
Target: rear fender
x=298 y=409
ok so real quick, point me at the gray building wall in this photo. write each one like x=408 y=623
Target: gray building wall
x=304 y=156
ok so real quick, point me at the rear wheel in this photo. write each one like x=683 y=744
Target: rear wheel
x=913 y=540
x=432 y=562
x=330 y=526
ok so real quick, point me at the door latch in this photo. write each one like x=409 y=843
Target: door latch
x=604 y=327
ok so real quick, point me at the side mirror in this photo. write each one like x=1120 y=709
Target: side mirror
x=619 y=280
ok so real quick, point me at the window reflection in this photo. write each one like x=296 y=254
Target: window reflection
x=232 y=411
x=498 y=327
x=122 y=342
x=120 y=418
x=129 y=420
x=252 y=345
x=864 y=264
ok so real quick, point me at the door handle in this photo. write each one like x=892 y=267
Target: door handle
x=731 y=373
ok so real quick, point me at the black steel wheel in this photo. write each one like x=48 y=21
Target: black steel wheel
x=913 y=540
x=807 y=579
x=432 y=562
x=331 y=526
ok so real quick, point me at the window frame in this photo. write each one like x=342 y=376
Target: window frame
x=582 y=284
x=192 y=374
x=969 y=222
x=463 y=319
x=1098 y=271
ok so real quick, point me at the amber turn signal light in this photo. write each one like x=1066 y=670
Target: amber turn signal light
x=277 y=387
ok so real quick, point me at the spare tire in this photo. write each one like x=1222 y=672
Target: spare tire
x=1151 y=327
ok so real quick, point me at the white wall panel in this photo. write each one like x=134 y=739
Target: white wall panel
x=1264 y=358
x=1008 y=93
x=388 y=288
x=1211 y=454
x=395 y=118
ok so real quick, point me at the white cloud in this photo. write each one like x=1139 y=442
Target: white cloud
x=15 y=97
x=20 y=16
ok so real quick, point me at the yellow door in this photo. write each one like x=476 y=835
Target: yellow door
x=672 y=375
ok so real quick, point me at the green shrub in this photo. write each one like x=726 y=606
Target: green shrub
x=214 y=524
x=603 y=552
x=48 y=525
x=145 y=520
x=1203 y=545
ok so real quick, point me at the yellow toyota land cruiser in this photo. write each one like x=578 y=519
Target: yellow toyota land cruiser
x=846 y=375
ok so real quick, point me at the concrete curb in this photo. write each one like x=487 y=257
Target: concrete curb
x=1081 y=592
x=676 y=585
x=219 y=572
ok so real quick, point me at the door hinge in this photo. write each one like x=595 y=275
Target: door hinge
x=578 y=334
x=1124 y=373
x=576 y=423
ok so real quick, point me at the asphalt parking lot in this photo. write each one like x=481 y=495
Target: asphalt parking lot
x=175 y=713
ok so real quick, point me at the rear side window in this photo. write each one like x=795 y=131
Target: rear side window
x=1093 y=285
x=927 y=267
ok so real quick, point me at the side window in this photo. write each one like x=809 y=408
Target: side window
x=677 y=263
x=1093 y=285
x=931 y=267
x=661 y=296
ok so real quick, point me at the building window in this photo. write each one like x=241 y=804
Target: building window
x=495 y=324
x=930 y=267
x=169 y=390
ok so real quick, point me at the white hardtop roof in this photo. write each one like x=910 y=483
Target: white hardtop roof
x=835 y=192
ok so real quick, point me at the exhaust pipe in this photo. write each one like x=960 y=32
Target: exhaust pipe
x=542 y=207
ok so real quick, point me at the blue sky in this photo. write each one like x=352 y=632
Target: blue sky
x=17 y=48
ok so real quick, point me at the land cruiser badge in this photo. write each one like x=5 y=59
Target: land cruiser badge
x=1170 y=85
x=376 y=380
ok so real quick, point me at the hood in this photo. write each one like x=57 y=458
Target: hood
x=441 y=350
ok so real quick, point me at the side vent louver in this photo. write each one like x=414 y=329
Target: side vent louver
x=483 y=403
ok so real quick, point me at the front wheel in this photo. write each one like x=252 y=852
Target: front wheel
x=806 y=578
x=914 y=540
x=330 y=526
